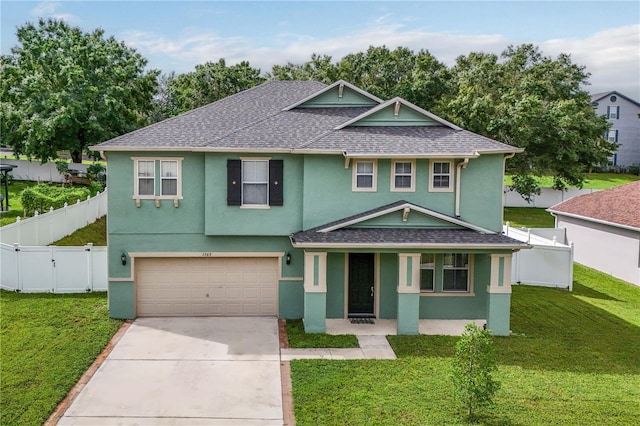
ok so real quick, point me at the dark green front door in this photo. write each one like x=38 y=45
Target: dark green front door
x=361 y=284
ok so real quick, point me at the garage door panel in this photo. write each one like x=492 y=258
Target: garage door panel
x=206 y=286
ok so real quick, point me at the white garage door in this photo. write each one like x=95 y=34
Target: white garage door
x=206 y=286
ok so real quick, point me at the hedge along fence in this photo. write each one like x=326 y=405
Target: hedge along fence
x=42 y=198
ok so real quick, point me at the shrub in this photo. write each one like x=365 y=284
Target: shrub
x=472 y=369
x=42 y=197
x=634 y=170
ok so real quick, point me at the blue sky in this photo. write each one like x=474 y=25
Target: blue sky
x=177 y=35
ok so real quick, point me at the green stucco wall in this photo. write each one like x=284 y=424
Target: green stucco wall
x=481 y=192
x=498 y=309
x=405 y=117
x=408 y=321
x=121 y=296
x=291 y=299
x=388 y=293
x=350 y=98
x=315 y=308
x=335 y=285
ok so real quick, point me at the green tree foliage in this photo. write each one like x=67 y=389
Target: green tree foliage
x=64 y=89
x=417 y=77
x=472 y=369
x=534 y=102
x=211 y=82
x=163 y=104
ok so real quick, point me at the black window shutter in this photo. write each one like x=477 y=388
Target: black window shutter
x=617 y=113
x=234 y=182
x=275 y=183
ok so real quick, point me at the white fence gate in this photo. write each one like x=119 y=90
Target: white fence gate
x=44 y=229
x=53 y=269
x=549 y=263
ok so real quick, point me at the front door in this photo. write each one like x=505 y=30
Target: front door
x=361 y=284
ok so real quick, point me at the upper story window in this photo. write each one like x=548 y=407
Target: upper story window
x=255 y=182
x=455 y=272
x=612 y=136
x=364 y=175
x=613 y=112
x=402 y=176
x=440 y=176
x=147 y=185
x=427 y=272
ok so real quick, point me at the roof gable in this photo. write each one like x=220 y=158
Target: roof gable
x=398 y=112
x=405 y=218
x=337 y=95
x=599 y=96
x=405 y=208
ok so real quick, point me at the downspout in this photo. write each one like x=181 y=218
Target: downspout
x=459 y=167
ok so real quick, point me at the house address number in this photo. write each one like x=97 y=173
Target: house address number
x=207 y=254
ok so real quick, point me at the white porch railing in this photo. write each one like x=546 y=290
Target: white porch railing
x=53 y=269
x=46 y=228
x=549 y=263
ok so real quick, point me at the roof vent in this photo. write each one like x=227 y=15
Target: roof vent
x=397 y=108
x=340 y=90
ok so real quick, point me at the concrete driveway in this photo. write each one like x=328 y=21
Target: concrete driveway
x=186 y=371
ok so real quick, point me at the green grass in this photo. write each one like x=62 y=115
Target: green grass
x=95 y=233
x=528 y=217
x=48 y=341
x=592 y=181
x=573 y=361
x=15 y=202
x=299 y=339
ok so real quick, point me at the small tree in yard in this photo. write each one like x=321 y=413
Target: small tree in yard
x=472 y=369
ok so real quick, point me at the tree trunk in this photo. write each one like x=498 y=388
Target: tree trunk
x=76 y=156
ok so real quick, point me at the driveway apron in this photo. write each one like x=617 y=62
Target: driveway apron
x=186 y=371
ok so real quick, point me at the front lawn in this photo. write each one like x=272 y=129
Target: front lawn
x=592 y=181
x=299 y=339
x=573 y=359
x=48 y=341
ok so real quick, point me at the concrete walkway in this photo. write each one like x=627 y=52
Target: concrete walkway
x=371 y=347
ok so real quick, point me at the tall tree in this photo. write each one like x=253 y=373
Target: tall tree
x=528 y=100
x=211 y=82
x=64 y=89
x=419 y=78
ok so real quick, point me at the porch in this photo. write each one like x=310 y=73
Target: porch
x=389 y=327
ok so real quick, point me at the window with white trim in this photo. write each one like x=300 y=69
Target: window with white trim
x=255 y=182
x=613 y=112
x=402 y=175
x=146 y=184
x=440 y=176
x=612 y=136
x=364 y=175
x=427 y=272
x=455 y=272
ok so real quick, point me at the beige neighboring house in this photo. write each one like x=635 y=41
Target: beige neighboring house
x=605 y=229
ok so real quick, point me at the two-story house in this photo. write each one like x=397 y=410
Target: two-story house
x=302 y=200
x=623 y=114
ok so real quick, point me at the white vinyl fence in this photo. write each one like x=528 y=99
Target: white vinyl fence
x=46 y=228
x=548 y=197
x=53 y=269
x=35 y=171
x=549 y=263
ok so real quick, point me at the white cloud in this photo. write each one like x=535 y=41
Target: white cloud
x=48 y=9
x=611 y=56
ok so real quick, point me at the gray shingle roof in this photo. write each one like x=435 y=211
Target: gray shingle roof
x=400 y=236
x=406 y=140
x=209 y=123
x=255 y=119
x=407 y=237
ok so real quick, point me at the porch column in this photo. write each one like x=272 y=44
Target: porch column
x=315 y=292
x=408 y=293
x=499 y=295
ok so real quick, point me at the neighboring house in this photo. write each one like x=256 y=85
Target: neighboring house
x=622 y=112
x=605 y=229
x=302 y=200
